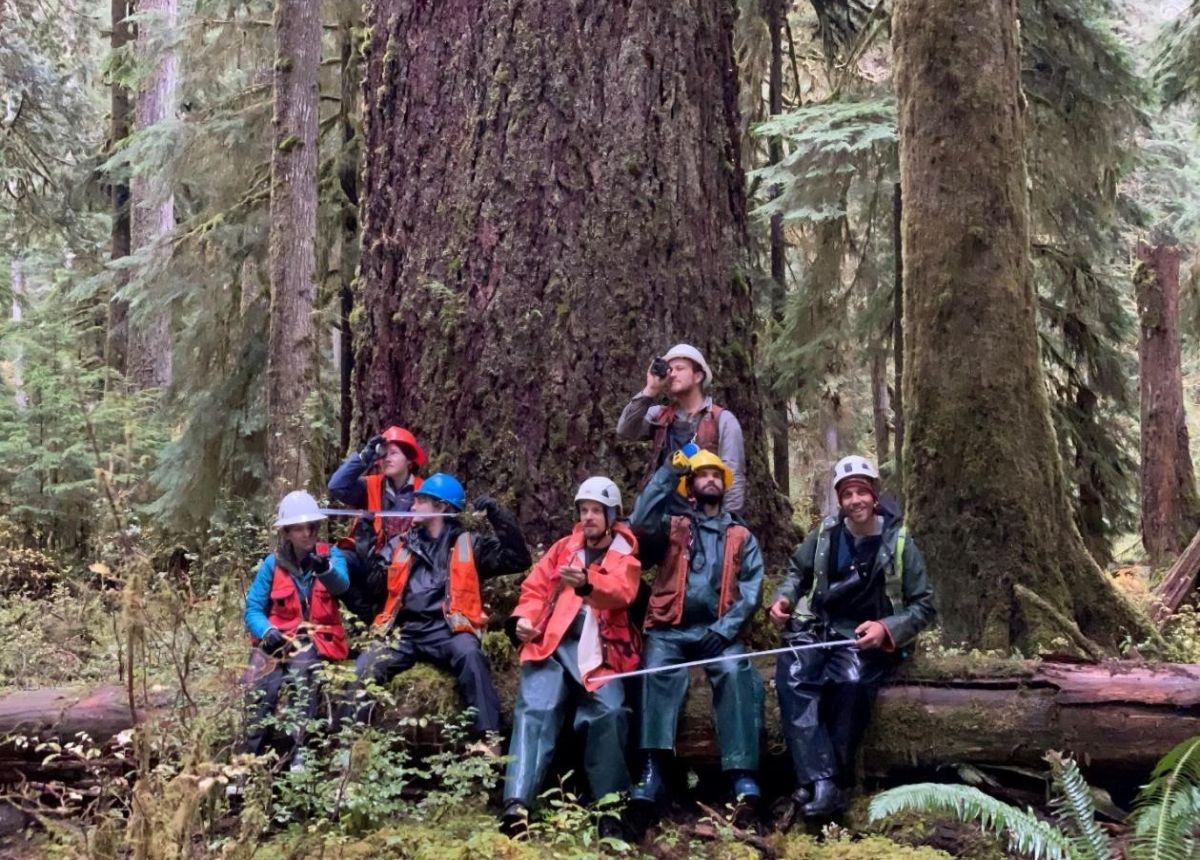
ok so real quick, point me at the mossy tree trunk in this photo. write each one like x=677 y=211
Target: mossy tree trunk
x=347 y=172
x=552 y=195
x=1170 y=510
x=777 y=411
x=293 y=224
x=983 y=478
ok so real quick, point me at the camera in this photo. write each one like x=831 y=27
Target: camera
x=659 y=368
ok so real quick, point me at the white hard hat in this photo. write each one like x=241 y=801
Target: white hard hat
x=854 y=466
x=600 y=490
x=686 y=350
x=298 y=507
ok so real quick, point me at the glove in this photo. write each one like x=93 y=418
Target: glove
x=318 y=564
x=370 y=454
x=711 y=645
x=376 y=578
x=273 y=643
x=681 y=463
x=488 y=505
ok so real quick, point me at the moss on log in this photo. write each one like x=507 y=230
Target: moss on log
x=937 y=712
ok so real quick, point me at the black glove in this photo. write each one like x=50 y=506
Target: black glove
x=273 y=643
x=510 y=630
x=318 y=564
x=370 y=453
x=711 y=645
x=377 y=577
x=488 y=505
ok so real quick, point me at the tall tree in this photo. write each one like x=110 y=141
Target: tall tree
x=293 y=225
x=552 y=195
x=347 y=183
x=983 y=478
x=149 y=358
x=117 y=333
x=1170 y=508
x=776 y=13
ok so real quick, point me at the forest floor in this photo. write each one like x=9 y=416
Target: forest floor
x=410 y=791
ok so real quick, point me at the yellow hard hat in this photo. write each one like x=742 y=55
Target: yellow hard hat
x=702 y=459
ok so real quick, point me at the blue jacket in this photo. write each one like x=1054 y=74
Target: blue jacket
x=258 y=598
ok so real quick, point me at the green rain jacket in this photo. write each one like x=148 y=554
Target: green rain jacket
x=909 y=592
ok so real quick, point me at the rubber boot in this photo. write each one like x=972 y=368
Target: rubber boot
x=649 y=789
x=745 y=786
x=827 y=800
x=514 y=821
x=611 y=827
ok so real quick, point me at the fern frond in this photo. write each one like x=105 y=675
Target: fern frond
x=1168 y=811
x=1075 y=805
x=1026 y=833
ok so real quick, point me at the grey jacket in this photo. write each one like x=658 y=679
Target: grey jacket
x=637 y=422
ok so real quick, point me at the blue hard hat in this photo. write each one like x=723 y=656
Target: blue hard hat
x=444 y=488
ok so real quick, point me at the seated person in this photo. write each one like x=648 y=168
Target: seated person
x=856 y=576
x=293 y=619
x=433 y=603
x=573 y=628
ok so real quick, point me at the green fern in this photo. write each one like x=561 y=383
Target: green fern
x=1075 y=806
x=1027 y=834
x=1168 y=811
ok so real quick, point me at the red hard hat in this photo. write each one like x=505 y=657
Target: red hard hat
x=402 y=437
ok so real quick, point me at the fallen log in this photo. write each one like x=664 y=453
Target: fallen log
x=1179 y=581
x=1118 y=716
x=63 y=713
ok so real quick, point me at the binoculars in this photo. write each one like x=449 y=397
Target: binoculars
x=659 y=367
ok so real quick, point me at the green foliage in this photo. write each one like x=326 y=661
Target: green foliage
x=1168 y=811
x=848 y=137
x=71 y=462
x=1176 y=67
x=1077 y=810
x=1026 y=833
x=1163 y=825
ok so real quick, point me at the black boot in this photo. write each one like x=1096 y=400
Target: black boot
x=651 y=787
x=611 y=827
x=827 y=800
x=514 y=821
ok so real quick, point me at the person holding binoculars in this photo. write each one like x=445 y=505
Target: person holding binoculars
x=683 y=377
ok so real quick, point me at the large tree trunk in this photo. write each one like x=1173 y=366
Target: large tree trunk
x=552 y=196
x=348 y=166
x=778 y=410
x=293 y=224
x=983 y=478
x=117 y=330
x=1170 y=510
x=149 y=359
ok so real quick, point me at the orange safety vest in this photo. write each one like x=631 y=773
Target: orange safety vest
x=464 y=603
x=324 y=622
x=670 y=586
x=375 y=503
